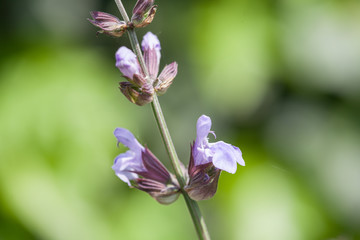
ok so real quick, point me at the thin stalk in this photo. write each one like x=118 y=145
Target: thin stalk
x=193 y=207
x=165 y=134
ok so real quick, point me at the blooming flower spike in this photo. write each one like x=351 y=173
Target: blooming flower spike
x=139 y=168
x=208 y=160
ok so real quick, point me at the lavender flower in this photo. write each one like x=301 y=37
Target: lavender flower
x=142 y=87
x=222 y=155
x=139 y=168
x=207 y=160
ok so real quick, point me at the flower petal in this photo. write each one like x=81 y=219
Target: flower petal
x=127 y=138
x=239 y=157
x=225 y=156
x=203 y=127
x=124 y=164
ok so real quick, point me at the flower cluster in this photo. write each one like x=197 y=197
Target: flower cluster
x=139 y=88
x=143 y=14
x=139 y=168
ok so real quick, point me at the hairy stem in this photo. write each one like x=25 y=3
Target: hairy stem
x=193 y=207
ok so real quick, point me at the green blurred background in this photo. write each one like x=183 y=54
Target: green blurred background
x=279 y=78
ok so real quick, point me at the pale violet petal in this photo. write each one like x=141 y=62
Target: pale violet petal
x=239 y=157
x=201 y=156
x=128 y=161
x=125 y=163
x=203 y=127
x=225 y=157
x=127 y=138
x=127 y=176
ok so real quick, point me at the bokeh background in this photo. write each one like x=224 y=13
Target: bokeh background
x=279 y=78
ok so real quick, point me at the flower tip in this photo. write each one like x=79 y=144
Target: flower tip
x=204 y=118
x=124 y=52
x=241 y=162
x=150 y=41
x=203 y=126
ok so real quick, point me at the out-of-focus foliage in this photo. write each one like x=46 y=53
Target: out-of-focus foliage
x=280 y=79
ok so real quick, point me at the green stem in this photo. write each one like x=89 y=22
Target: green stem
x=193 y=207
x=165 y=134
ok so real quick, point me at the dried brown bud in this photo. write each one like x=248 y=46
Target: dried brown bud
x=139 y=96
x=108 y=23
x=142 y=7
x=145 y=18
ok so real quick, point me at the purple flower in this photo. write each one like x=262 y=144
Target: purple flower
x=145 y=86
x=223 y=155
x=208 y=160
x=139 y=168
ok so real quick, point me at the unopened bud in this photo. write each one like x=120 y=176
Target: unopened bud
x=139 y=96
x=143 y=13
x=129 y=92
x=139 y=80
x=142 y=7
x=108 y=23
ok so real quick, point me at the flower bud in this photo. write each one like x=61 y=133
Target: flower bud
x=166 y=78
x=129 y=92
x=139 y=96
x=108 y=23
x=151 y=47
x=143 y=13
x=127 y=62
x=141 y=7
